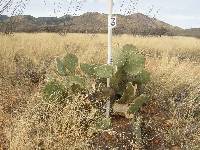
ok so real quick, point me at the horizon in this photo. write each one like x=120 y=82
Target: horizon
x=185 y=16
x=95 y=12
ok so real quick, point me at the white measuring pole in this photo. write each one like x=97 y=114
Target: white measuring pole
x=110 y=9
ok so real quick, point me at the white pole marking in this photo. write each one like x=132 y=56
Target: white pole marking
x=110 y=7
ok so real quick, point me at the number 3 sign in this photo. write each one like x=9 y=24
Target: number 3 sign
x=112 y=22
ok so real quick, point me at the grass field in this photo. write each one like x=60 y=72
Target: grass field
x=171 y=119
x=38 y=45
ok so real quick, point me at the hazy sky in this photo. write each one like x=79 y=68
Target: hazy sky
x=183 y=13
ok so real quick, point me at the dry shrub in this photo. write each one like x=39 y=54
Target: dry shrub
x=54 y=126
x=175 y=88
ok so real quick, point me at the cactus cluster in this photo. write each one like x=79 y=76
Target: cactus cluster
x=127 y=74
x=72 y=81
x=130 y=76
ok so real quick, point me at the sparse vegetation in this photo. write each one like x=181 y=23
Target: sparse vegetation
x=169 y=119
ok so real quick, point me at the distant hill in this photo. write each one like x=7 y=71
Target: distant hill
x=137 y=24
x=193 y=32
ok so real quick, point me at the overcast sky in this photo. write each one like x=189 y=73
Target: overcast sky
x=182 y=13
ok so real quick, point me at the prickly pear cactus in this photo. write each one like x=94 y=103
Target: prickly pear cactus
x=131 y=65
x=99 y=71
x=129 y=59
x=142 y=77
x=135 y=64
x=60 y=67
x=138 y=103
x=119 y=81
x=70 y=61
x=125 y=80
x=54 y=92
x=130 y=76
x=130 y=68
x=67 y=65
x=88 y=69
x=128 y=95
x=104 y=71
x=76 y=80
x=73 y=82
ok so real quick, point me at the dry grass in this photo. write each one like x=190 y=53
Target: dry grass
x=174 y=88
x=53 y=126
x=37 y=46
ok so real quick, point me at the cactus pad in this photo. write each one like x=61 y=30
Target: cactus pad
x=54 y=92
x=128 y=95
x=143 y=77
x=104 y=71
x=137 y=104
x=135 y=64
x=60 y=67
x=76 y=80
x=70 y=62
x=88 y=69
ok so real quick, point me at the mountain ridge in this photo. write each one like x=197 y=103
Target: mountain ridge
x=90 y=22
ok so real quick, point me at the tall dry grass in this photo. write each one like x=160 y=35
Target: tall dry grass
x=175 y=89
x=39 y=45
x=53 y=126
x=174 y=64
